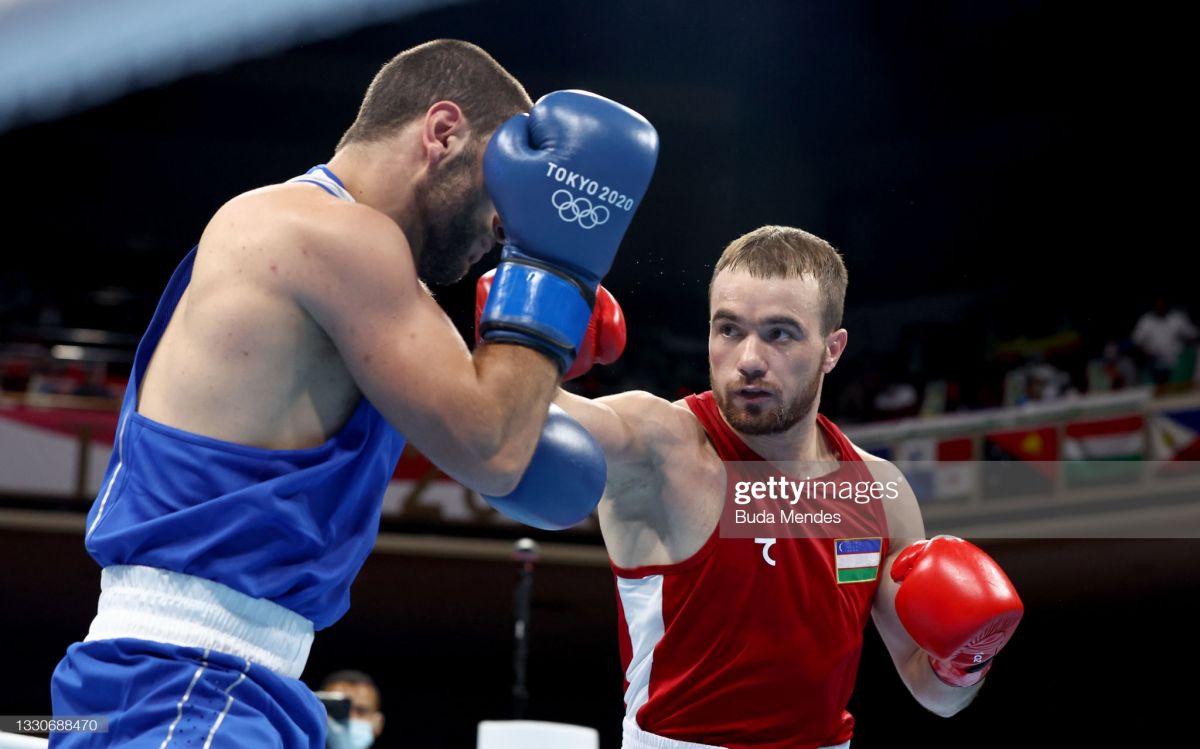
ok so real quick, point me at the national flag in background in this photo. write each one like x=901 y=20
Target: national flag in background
x=1025 y=462
x=857 y=559
x=938 y=470
x=1175 y=441
x=1023 y=444
x=1105 y=449
x=1121 y=438
x=1175 y=435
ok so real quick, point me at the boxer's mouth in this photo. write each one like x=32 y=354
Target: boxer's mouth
x=753 y=395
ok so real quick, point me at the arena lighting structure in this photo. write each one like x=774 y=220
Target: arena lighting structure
x=61 y=56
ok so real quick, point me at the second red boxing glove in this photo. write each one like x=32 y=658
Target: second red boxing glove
x=957 y=605
x=603 y=342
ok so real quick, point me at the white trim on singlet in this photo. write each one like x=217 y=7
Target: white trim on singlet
x=641 y=600
x=112 y=481
x=324 y=179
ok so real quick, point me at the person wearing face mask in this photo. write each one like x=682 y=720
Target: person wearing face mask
x=365 y=721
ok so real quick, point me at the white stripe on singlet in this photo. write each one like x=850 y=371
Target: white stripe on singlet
x=324 y=179
x=641 y=599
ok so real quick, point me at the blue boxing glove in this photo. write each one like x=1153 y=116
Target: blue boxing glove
x=565 y=478
x=566 y=180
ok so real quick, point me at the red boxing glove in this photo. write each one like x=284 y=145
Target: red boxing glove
x=602 y=343
x=957 y=605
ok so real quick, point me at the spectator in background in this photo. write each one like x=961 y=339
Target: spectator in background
x=1161 y=334
x=1045 y=382
x=934 y=401
x=896 y=401
x=1035 y=382
x=1114 y=370
x=898 y=398
x=366 y=720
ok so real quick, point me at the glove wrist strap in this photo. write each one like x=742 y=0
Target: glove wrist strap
x=537 y=305
x=957 y=676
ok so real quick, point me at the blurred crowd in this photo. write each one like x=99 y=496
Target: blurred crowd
x=927 y=375
x=1159 y=349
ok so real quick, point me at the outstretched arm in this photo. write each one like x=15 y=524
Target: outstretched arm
x=613 y=420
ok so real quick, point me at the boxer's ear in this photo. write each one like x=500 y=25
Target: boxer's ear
x=444 y=132
x=835 y=346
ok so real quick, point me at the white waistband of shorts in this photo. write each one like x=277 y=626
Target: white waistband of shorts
x=635 y=738
x=147 y=603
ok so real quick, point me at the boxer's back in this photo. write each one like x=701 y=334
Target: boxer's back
x=240 y=359
x=232 y=506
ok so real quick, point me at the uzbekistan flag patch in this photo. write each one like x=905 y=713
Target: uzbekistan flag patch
x=857 y=559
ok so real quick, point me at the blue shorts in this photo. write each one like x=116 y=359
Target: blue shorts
x=154 y=693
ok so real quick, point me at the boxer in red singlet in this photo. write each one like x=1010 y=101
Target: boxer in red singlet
x=754 y=642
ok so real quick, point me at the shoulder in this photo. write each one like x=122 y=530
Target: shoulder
x=313 y=241
x=311 y=217
x=654 y=416
x=900 y=503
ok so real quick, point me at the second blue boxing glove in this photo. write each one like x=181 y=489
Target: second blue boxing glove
x=565 y=478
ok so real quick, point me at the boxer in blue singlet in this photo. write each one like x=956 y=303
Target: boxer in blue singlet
x=291 y=350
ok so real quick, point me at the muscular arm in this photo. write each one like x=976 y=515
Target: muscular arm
x=905 y=527
x=659 y=462
x=635 y=429
x=476 y=417
x=613 y=421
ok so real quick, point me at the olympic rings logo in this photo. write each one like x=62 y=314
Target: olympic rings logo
x=578 y=209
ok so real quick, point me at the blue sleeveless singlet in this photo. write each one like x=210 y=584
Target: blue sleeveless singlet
x=290 y=526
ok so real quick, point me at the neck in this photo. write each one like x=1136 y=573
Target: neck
x=384 y=175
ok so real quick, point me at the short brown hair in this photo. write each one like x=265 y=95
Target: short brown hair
x=441 y=70
x=785 y=252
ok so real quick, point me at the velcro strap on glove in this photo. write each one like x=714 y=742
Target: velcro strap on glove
x=537 y=305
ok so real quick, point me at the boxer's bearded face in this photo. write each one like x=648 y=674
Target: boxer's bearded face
x=456 y=213
x=766 y=352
